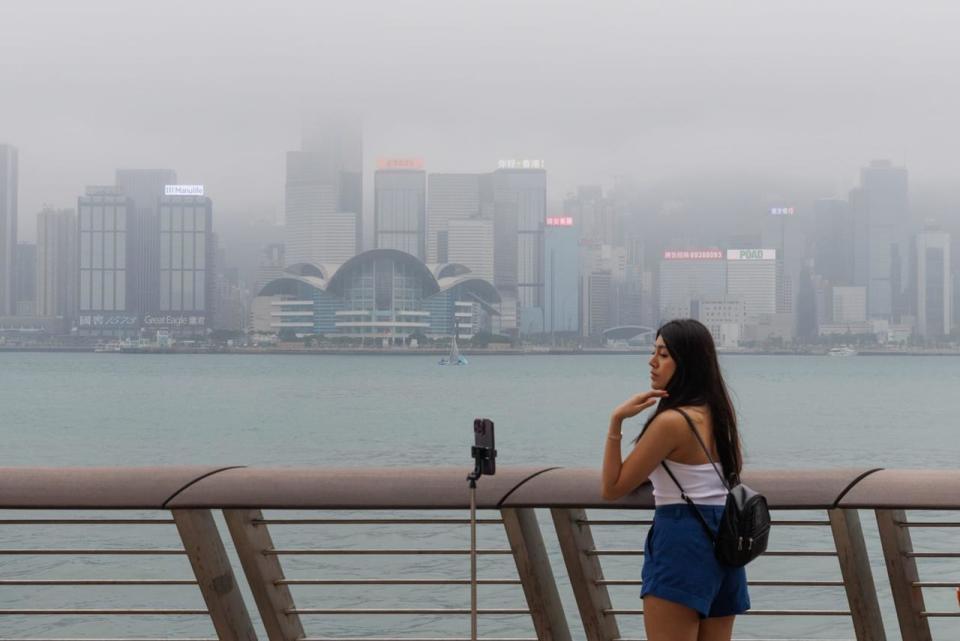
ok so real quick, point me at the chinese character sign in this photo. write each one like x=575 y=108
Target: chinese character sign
x=693 y=254
x=525 y=163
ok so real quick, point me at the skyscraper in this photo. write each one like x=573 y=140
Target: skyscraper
x=324 y=193
x=105 y=215
x=186 y=265
x=834 y=245
x=881 y=221
x=8 y=228
x=687 y=275
x=454 y=197
x=933 y=287
x=752 y=278
x=599 y=219
x=469 y=242
x=25 y=281
x=520 y=203
x=144 y=187
x=400 y=206
x=270 y=267
x=597 y=303
x=561 y=274
x=57 y=263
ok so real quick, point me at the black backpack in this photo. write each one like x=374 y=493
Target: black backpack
x=745 y=524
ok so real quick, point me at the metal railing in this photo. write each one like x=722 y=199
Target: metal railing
x=195 y=497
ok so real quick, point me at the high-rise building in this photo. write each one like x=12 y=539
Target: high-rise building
x=599 y=218
x=881 y=224
x=8 y=228
x=454 y=197
x=752 y=278
x=724 y=318
x=25 y=281
x=849 y=305
x=561 y=274
x=339 y=138
x=400 y=206
x=520 y=202
x=144 y=187
x=933 y=287
x=687 y=275
x=834 y=241
x=469 y=242
x=597 y=303
x=272 y=263
x=324 y=193
x=186 y=265
x=782 y=231
x=806 y=308
x=57 y=263
x=104 y=221
x=317 y=230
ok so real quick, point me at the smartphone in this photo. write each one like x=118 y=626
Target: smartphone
x=483 y=438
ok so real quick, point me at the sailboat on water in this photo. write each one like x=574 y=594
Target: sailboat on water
x=455 y=357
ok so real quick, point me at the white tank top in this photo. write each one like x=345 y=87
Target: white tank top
x=700 y=482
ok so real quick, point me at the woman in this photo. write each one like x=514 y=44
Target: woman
x=688 y=595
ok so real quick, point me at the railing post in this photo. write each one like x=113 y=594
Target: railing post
x=584 y=571
x=536 y=574
x=902 y=570
x=857 y=576
x=214 y=574
x=263 y=572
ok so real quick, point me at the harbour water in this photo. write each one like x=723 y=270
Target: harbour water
x=121 y=409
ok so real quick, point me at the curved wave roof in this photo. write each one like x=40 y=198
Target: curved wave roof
x=435 y=277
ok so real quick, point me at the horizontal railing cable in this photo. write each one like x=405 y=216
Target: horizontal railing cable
x=809 y=613
x=383 y=521
x=437 y=611
x=102 y=612
x=4 y=582
x=650 y=522
x=88 y=551
x=369 y=551
x=412 y=639
x=86 y=522
x=757 y=582
x=395 y=582
x=638 y=552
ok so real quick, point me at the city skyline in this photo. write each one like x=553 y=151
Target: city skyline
x=658 y=95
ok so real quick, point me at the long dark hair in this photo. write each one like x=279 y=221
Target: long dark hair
x=697 y=381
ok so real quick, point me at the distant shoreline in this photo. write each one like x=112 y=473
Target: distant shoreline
x=443 y=352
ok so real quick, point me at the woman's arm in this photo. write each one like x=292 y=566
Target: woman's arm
x=661 y=438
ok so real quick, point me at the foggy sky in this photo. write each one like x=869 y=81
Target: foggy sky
x=805 y=92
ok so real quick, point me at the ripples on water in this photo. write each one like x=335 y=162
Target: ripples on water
x=86 y=409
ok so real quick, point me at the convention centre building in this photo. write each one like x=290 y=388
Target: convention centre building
x=383 y=294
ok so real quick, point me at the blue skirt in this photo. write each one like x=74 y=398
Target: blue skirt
x=679 y=564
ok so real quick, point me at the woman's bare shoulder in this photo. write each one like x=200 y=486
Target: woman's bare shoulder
x=669 y=420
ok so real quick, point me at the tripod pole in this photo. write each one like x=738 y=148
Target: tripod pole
x=473 y=560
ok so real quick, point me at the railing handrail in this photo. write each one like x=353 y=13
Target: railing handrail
x=178 y=487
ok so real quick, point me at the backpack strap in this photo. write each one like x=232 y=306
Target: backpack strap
x=704 y=446
x=689 y=501
x=683 y=493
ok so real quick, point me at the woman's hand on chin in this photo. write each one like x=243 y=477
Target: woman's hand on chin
x=636 y=404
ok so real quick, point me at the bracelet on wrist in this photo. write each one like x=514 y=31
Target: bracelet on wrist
x=614 y=437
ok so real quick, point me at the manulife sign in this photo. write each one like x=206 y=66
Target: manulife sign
x=751 y=254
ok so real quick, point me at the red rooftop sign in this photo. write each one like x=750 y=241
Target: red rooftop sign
x=559 y=221
x=693 y=254
x=400 y=163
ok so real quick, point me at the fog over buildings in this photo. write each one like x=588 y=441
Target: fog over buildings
x=794 y=93
x=320 y=130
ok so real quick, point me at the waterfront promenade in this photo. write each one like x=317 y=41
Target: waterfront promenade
x=256 y=598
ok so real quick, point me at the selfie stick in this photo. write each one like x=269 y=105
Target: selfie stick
x=479 y=454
